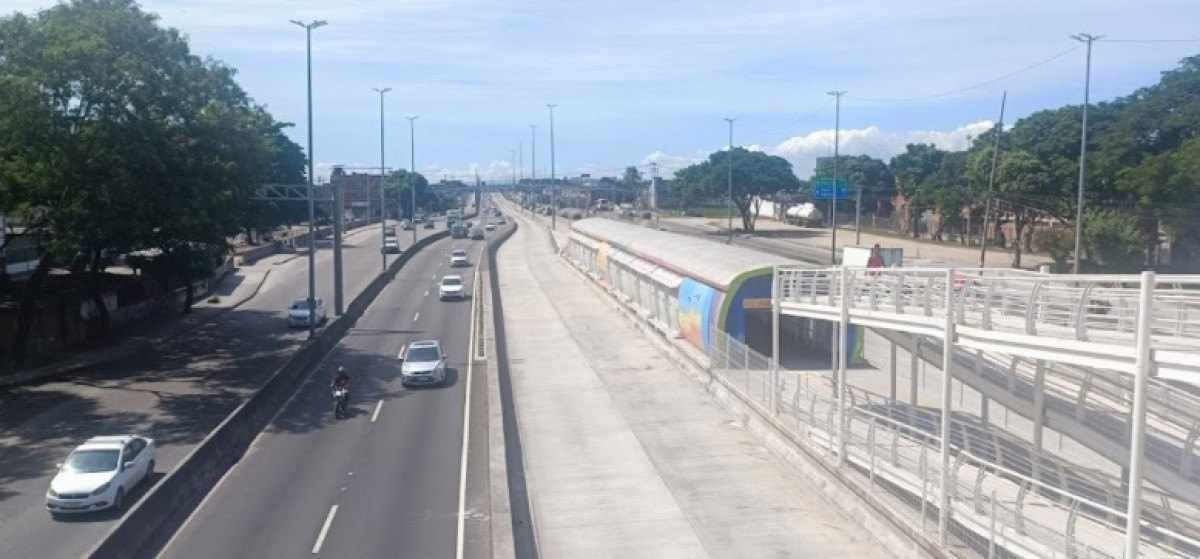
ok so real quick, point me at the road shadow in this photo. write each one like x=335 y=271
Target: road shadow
x=228 y=285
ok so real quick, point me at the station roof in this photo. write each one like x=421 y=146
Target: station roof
x=714 y=263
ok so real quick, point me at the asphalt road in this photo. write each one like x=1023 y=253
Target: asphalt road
x=175 y=394
x=384 y=482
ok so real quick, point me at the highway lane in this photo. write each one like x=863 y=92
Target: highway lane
x=175 y=395
x=393 y=474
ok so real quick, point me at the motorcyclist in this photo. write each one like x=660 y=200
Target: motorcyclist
x=342 y=379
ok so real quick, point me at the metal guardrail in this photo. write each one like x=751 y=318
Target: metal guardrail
x=1065 y=511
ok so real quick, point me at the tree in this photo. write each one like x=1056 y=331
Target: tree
x=1022 y=182
x=754 y=174
x=113 y=137
x=911 y=170
x=861 y=171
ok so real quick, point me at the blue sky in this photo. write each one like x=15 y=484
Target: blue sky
x=637 y=82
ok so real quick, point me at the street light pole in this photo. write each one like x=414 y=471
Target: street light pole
x=1087 y=86
x=412 y=172
x=382 y=181
x=729 y=182
x=837 y=128
x=987 y=204
x=533 y=152
x=513 y=159
x=312 y=212
x=553 y=174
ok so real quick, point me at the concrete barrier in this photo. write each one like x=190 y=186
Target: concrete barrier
x=149 y=524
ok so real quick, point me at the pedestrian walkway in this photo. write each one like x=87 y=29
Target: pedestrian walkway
x=625 y=455
x=916 y=252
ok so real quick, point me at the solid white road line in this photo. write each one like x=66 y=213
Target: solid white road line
x=325 y=529
x=416 y=316
x=375 y=415
x=466 y=438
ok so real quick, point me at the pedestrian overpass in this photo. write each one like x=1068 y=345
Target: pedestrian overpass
x=1110 y=361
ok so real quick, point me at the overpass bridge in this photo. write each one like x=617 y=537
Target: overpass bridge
x=1106 y=362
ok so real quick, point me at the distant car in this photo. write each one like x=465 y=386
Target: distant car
x=476 y=233
x=451 y=287
x=458 y=258
x=428 y=224
x=100 y=473
x=406 y=225
x=490 y=227
x=458 y=231
x=389 y=232
x=391 y=245
x=501 y=221
x=298 y=313
x=423 y=362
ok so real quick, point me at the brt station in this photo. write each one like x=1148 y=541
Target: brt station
x=985 y=412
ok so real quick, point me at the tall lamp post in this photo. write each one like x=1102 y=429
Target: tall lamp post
x=837 y=126
x=1087 y=86
x=382 y=181
x=553 y=174
x=533 y=152
x=729 y=182
x=412 y=171
x=312 y=212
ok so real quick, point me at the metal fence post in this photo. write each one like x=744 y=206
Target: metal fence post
x=776 y=358
x=992 y=529
x=1137 y=443
x=843 y=330
x=947 y=378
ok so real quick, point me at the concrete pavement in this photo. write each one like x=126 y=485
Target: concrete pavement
x=392 y=469
x=175 y=391
x=625 y=455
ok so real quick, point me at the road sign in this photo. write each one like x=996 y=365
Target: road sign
x=823 y=189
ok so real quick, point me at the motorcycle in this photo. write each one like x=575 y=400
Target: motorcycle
x=341 y=396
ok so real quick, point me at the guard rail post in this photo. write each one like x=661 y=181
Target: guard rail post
x=1137 y=453
x=843 y=328
x=947 y=378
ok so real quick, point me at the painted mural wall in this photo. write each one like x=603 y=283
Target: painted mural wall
x=699 y=306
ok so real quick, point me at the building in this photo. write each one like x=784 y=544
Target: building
x=360 y=192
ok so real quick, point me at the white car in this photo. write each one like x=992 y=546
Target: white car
x=298 y=313
x=451 y=287
x=458 y=258
x=391 y=246
x=490 y=227
x=100 y=473
x=424 y=362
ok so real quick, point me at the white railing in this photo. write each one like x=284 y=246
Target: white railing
x=1003 y=493
x=1100 y=308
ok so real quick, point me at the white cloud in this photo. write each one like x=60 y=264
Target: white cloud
x=803 y=151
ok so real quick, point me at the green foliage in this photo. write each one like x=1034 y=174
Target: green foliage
x=1059 y=243
x=1113 y=241
x=859 y=171
x=754 y=173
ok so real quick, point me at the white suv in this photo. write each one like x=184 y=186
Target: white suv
x=99 y=473
x=458 y=257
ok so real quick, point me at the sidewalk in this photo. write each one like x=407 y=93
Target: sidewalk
x=916 y=252
x=628 y=457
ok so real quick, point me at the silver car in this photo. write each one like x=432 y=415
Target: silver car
x=424 y=362
x=99 y=473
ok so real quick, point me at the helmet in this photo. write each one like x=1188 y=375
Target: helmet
x=341 y=370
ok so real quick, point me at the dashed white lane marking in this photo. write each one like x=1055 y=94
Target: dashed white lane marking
x=375 y=415
x=325 y=529
x=416 y=316
x=426 y=292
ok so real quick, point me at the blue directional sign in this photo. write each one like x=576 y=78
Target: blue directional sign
x=823 y=189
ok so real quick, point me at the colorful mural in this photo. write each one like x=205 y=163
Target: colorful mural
x=698 y=306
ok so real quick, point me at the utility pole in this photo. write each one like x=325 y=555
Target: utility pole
x=837 y=128
x=533 y=152
x=553 y=174
x=312 y=212
x=412 y=172
x=513 y=159
x=858 y=216
x=1087 y=86
x=729 y=182
x=987 y=204
x=382 y=181
x=520 y=159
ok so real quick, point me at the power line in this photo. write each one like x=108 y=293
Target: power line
x=972 y=86
x=1197 y=40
